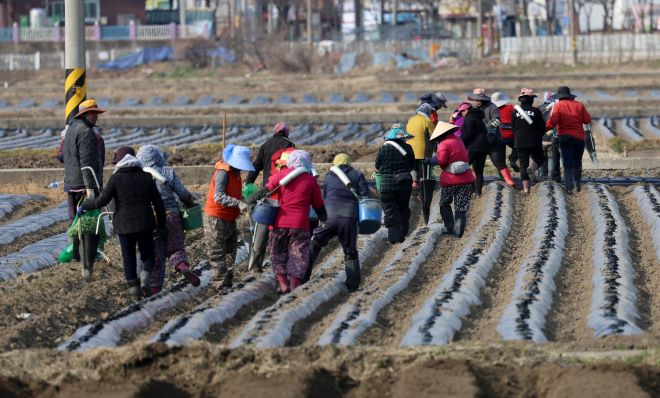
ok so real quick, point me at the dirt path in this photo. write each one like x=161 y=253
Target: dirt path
x=393 y=321
x=642 y=251
x=568 y=320
x=308 y=331
x=481 y=324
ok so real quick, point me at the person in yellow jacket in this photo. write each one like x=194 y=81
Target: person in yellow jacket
x=420 y=126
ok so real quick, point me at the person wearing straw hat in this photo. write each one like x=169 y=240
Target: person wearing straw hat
x=223 y=206
x=482 y=142
x=456 y=179
x=83 y=174
x=341 y=203
x=506 y=109
x=394 y=161
x=136 y=199
x=569 y=117
x=528 y=130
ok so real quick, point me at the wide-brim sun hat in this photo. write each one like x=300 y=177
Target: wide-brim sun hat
x=237 y=157
x=499 y=99
x=564 y=92
x=478 y=94
x=398 y=134
x=527 y=92
x=442 y=129
x=89 y=106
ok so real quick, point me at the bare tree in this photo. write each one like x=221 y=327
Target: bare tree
x=608 y=13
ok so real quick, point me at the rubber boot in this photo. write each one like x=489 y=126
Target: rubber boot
x=284 y=284
x=394 y=234
x=89 y=245
x=577 y=177
x=513 y=162
x=145 y=282
x=352 y=268
x=134 y=289
x=447 y=215
x=459 y=224
x=525 y=184
x=314 y=250
x=187 y=273
x=228 y=280
x=506 y=175
x=294 y=283
x=568 y=180
x=76 y=249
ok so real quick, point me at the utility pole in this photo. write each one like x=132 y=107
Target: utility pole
x=395 y=8
x=75 y=86
x=574 y=28
x=480 y=21
x=182 y=17
x=310 y=41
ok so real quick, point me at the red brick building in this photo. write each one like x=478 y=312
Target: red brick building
x=105 y=12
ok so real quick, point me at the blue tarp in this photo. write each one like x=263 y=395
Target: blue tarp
x=142 y=57
x=223 y=53
x=346 y=63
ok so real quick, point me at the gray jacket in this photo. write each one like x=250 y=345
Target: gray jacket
x=80 y=149
x=492 y=113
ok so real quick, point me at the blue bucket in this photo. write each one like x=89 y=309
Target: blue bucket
x=370 y=215
x=265 y=211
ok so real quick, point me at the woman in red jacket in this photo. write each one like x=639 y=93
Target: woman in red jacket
x=569 y=117
x=456 y=179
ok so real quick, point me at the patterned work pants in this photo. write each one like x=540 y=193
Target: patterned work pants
x=221 y=240
x=174 y=249
x=459 y=194
x=289 y=251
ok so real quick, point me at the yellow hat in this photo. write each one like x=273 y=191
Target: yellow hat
x=341 y=159
x=89 y=106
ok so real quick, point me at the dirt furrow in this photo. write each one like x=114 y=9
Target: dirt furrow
x=567 y=322
x=33 y=237
x=481 y=324
x=393 y=321
x=642 y=251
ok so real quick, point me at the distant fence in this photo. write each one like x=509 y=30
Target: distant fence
x=131 y=32
x=39 y=60
x=597 y=49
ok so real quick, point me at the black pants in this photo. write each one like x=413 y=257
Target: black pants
x=524 y=154
x=513 y=157
x=345 y=229
x=478 y=162
x=145 y=243
x=396 y=214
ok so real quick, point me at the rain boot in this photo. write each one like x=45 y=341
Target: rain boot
x=314 y=250
x=134 y=289
x=258 y=247
x=513 y=162
x=145 y=282
x=284 y=284
x=525 y=184
x=90 y=243
x=187 y=273
x=228 y=280
x=568 y=180
x=294 y=283
x=394 y=234
x=352 y=268
x=447 y=215
x=506 y=175
x=459 y=224
x=577 y=177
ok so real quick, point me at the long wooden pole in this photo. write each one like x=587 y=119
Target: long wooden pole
x=224 y=130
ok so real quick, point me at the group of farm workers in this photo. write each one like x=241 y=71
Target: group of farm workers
x=147 y=196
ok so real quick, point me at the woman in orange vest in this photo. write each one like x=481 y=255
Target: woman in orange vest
x=223 y=206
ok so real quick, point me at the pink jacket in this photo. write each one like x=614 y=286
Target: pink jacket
x=450 y=150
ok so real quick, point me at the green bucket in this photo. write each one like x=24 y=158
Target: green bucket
x=191 y=217
x=378 y=177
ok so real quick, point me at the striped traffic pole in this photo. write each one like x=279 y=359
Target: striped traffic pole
x=75 y=87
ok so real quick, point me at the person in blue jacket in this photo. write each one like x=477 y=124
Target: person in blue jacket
x=341 y=204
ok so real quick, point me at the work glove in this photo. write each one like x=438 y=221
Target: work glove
x=243 y=207
x=90 y=193
x=80 y=210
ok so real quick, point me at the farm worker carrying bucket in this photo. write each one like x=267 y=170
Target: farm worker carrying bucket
x=345 y=193
x=223 y=207
x=297 y=191
x=82 y=153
